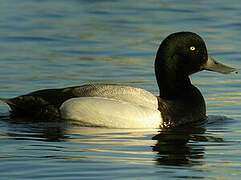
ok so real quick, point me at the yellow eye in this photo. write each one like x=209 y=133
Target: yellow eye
x=192 y=48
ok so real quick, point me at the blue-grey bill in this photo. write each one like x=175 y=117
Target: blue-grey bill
x=213 y=65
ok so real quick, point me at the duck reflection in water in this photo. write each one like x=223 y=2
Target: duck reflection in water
x=179 y=146
x=23 y=129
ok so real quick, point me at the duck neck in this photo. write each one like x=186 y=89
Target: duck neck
x=171 y=81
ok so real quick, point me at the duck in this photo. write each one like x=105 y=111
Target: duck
x=179 y=102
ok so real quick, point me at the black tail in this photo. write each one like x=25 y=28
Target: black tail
x=34 y=107
x=10 y=103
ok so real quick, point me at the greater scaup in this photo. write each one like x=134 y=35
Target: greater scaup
x=179 y=55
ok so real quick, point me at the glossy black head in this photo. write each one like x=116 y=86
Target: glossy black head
x=178 y=56
x=183 y=51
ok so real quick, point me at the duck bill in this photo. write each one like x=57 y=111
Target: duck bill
x=213 y=65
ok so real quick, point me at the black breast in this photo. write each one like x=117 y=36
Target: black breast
x=186 y=108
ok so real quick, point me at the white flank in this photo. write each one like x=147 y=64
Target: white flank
x=100 y=111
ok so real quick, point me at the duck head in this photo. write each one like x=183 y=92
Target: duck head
x=180 y=55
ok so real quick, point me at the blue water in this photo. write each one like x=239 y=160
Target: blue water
x=57 y=43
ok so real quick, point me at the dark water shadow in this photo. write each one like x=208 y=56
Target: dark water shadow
x=183 y=145
x=26 y=129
